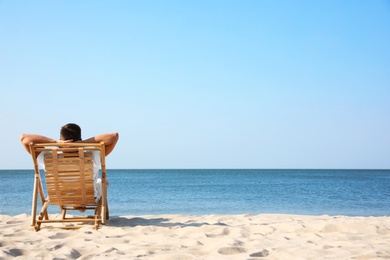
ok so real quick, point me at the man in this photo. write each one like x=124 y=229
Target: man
x=72 y=133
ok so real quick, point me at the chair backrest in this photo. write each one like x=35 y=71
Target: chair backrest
x=69 y=178
x=69 y=172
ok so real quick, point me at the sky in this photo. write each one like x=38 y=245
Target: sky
x=254 y=84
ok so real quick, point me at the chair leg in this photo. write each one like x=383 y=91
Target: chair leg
x=43 y=212
x=37 y=226
x=34 y=201
x=98 y=208
x=98 y=212
x=96 y=226
x=63 y=213
x=42 y=195
x=42 y=215
x=104 y=216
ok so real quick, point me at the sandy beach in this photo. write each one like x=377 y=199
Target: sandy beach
x=264 y=236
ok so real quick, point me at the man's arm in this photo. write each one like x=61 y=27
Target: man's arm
x=26 y=139
x=109 y=139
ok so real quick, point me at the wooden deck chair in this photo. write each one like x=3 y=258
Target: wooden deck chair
x=69 y=178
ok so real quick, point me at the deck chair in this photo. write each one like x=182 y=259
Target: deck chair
x=69 y=182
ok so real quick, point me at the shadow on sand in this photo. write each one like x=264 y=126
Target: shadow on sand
x=160 y=222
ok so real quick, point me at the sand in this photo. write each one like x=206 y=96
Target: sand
x=264 y=236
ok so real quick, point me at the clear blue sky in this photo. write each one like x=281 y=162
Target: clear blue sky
x=201 y=84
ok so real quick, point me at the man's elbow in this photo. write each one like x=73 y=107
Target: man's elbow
x=112 y=137
x=116 y=136
x=23 y=138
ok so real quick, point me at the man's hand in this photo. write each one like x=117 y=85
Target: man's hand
x=64 y=141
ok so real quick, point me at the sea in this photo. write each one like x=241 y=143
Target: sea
x=224 y=191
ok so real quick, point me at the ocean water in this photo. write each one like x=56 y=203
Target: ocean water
x=198 y=192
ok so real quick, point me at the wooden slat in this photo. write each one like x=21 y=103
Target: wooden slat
x=69 y=178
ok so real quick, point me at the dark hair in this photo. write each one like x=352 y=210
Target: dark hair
x=71 y=132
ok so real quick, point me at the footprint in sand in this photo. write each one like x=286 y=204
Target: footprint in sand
x=60 y=236
x=263 y=253
x=218 y=233
x=231 y=250
x=14 y=252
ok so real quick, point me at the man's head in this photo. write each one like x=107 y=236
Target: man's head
x=70 y=132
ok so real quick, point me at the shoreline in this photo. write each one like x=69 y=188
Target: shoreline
x=172 y=236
